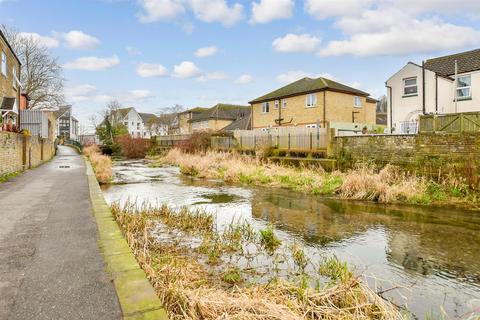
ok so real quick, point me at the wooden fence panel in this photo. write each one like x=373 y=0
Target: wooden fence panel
x=450 y=123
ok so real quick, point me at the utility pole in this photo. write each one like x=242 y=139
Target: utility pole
x=456 y=85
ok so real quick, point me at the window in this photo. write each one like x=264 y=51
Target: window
x=284 y=103
x=138 y=125
x=311 y=100
x=357 y=101
x=311 y=126
x=265 y=107
x=4 y=64
x=277 y=103
x=410 y=87
x=464 y=87
x=126 y=123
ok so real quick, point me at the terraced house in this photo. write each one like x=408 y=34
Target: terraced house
x=441 y=85
x=219 y=117
x=9 y=85
x=314 y=102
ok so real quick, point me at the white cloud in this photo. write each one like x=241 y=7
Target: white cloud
x=206 y=52
x=77 y=39
x=244 y=79
x=92 y=63
x=186 y=69
x=79 y=93
x=140 y=94
x=214 y=76
x=132 y=51
x=217 y=11
x=295 y=75
x=268 y=10
x=392 y=31
x=321 y=9
x=296 y=43
x=147 y=70
x=45 y=41
x=160 y=10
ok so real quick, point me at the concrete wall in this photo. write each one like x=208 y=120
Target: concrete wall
x=426 y=153
x=20 y=153
x=339 y=108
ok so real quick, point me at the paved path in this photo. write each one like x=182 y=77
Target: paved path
x=50 y=266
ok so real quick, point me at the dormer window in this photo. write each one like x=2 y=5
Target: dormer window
x=410 y=87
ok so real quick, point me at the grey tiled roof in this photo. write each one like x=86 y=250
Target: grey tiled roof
x=467 y=61
x=223 y=112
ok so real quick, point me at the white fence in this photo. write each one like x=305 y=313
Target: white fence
x=284 y=138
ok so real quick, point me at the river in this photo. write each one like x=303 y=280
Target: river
x=429 y=257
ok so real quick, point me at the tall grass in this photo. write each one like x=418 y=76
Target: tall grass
x=364 y=182
x=190 y=289
x=102 y=165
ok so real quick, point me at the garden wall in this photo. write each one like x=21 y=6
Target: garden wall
x=433 y=154
x=18 y=152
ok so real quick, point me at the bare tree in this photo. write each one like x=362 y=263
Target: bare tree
x=168 y=118
x=41 y=75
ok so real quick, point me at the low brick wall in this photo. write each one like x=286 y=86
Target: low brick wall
x=434 y=154
x=18 y=152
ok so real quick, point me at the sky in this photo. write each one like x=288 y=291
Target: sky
x=153 y=54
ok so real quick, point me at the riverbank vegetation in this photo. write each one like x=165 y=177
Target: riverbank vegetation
x=201 y=270
x=101 y=164
x=363 y=182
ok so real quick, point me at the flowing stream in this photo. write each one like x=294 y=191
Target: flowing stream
x=426 y=259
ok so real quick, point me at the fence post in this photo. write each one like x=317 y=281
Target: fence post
x=241 y=142
x=229 y=142
x=254 y=142
x=311 y=140
x=461 y=122
x=289 y=141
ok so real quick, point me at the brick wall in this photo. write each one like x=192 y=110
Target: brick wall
x=339 y=108
x=12 y=146
x=435 y=154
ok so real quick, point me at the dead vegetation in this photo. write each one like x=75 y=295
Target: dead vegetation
x=102 y=165
x=364 y=182
x=191 y=286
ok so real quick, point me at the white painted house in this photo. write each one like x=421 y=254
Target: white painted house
x=433 y=88
x=139 y=125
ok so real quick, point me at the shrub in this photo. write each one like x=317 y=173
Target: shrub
x=133 y=148
x=198 y=142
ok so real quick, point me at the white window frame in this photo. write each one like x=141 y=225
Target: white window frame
x=277 y=104
x=311 y=126
x=359 y=100
x=405 y=86
x=311 y=100
x=265 y=107
x=4 y=63
x=284 y=103
x=469 y=87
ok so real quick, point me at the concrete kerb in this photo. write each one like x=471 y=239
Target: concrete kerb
x=135 y=293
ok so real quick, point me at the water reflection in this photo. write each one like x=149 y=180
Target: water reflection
x=433 y=254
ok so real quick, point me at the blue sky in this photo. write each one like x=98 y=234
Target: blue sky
x=145 y=53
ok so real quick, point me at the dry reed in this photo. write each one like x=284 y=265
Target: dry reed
x=102 y=165
x=189 y=290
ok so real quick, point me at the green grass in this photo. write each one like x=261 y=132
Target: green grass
x=336 y=270
x=232 y=275
x=269 y=240
x=8 y=176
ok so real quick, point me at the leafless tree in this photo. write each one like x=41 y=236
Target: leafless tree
x=41 y=75
x=168 y=118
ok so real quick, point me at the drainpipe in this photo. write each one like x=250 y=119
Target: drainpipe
x=436 y=93
x=391 y=107
x=423 y=88
x=324 y=109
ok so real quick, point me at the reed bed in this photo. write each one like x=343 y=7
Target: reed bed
x=190 y=288
x=102 y=165
x=364 y=182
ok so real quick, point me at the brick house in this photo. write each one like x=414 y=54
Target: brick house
x=433 y=88
x=218 y=117
x=184 y=124
x=10 y=86
x=313 y=102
